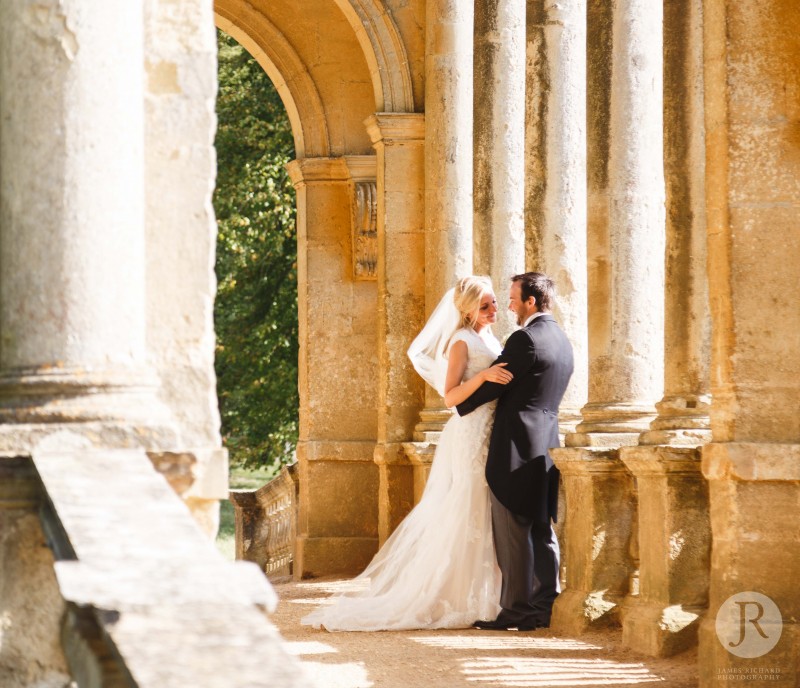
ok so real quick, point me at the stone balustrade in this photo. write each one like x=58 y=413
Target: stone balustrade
x=266 y=523
x=108 y=581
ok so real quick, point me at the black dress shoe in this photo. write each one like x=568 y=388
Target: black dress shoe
x=502 y=625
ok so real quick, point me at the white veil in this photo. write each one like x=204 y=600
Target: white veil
x=427 y=352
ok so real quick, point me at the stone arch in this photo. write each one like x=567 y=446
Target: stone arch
x=384 y=51
x=278 y=59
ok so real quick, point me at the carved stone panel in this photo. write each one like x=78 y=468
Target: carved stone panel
x=365 y=230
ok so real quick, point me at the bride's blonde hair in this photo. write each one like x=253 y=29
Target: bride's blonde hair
x=467 y=299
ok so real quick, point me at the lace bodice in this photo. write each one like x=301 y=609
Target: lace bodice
x=482 y=349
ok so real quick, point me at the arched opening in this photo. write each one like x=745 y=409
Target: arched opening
x=329 y=87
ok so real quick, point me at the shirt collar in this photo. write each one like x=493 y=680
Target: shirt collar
x=531 y=318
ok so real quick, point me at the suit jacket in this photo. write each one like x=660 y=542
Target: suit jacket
x=519 y=469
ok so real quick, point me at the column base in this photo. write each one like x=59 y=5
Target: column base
x=658 y=631
x=601 y=440
x=75 y=395
x=613 y=419
x=25 y=437
x=421 y=456
x=682 y=421
x=431 y=423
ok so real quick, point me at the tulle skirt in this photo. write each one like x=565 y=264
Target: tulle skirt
x=438 y=569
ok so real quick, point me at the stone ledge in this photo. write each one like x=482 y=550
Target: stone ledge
x=660 y=460
x=141 y=580
x=750 y=461
x=587 y=460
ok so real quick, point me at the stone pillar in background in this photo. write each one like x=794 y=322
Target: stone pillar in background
x=338 y=515
x=398 y=139
x=626 y=366
x=752 y=78
x=499 y=139
x=555 y=174
x=72 y=246
x=673 y=496
x=448 y=188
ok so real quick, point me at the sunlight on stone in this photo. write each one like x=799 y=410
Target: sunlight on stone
x=548 y=671
x=477 y=642
x=351 y=675
x=310 y=647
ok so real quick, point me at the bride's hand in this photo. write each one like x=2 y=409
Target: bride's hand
x=498 y=373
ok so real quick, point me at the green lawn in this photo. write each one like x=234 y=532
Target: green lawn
x=240 y=479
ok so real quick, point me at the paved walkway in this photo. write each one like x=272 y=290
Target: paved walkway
x=452 y=659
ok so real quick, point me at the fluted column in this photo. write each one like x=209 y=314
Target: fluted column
x=448 y=187
x=673 y=496
x=72 y=262
x=683 y=412
x=626 y=366
x=398 y=141
x=499 y=181
x=626 y=294
x=555 y=174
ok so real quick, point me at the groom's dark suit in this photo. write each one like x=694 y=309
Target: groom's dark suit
x=519 y=470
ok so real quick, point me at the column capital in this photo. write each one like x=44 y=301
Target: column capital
x=362 y=168
x=304 y=171
x=396 y=127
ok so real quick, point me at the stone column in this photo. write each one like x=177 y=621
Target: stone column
x=752 y=60
x=555 y=174
x=499 y=139
x=338 y=507
x=626 y=365
x=673 y=496
x=72 y=261
x=398 y=139
x=448 y=187
x=683 y=412
x=626 y=349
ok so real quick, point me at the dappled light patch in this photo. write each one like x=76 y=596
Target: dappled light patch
x=551 y=671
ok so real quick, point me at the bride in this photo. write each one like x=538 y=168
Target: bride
x=438 y=569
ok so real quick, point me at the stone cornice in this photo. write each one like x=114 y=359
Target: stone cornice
x=396 y=127
x=317 y=171
x=361 y=167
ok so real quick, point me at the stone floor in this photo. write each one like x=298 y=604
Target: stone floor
x=452 y=659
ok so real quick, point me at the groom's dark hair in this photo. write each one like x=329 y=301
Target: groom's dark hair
x=537 y=285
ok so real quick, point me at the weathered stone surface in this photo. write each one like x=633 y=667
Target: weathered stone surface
x=601 y=509
x=30 y=604
x=674 y=545
x=162 y=600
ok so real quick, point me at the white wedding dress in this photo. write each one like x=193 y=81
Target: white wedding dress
x=438 y=569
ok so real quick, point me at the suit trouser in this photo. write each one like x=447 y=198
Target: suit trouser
x=528 y=556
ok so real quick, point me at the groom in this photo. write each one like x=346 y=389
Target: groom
x=521 y=475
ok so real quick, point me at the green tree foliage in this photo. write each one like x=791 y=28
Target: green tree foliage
x=256 y=307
